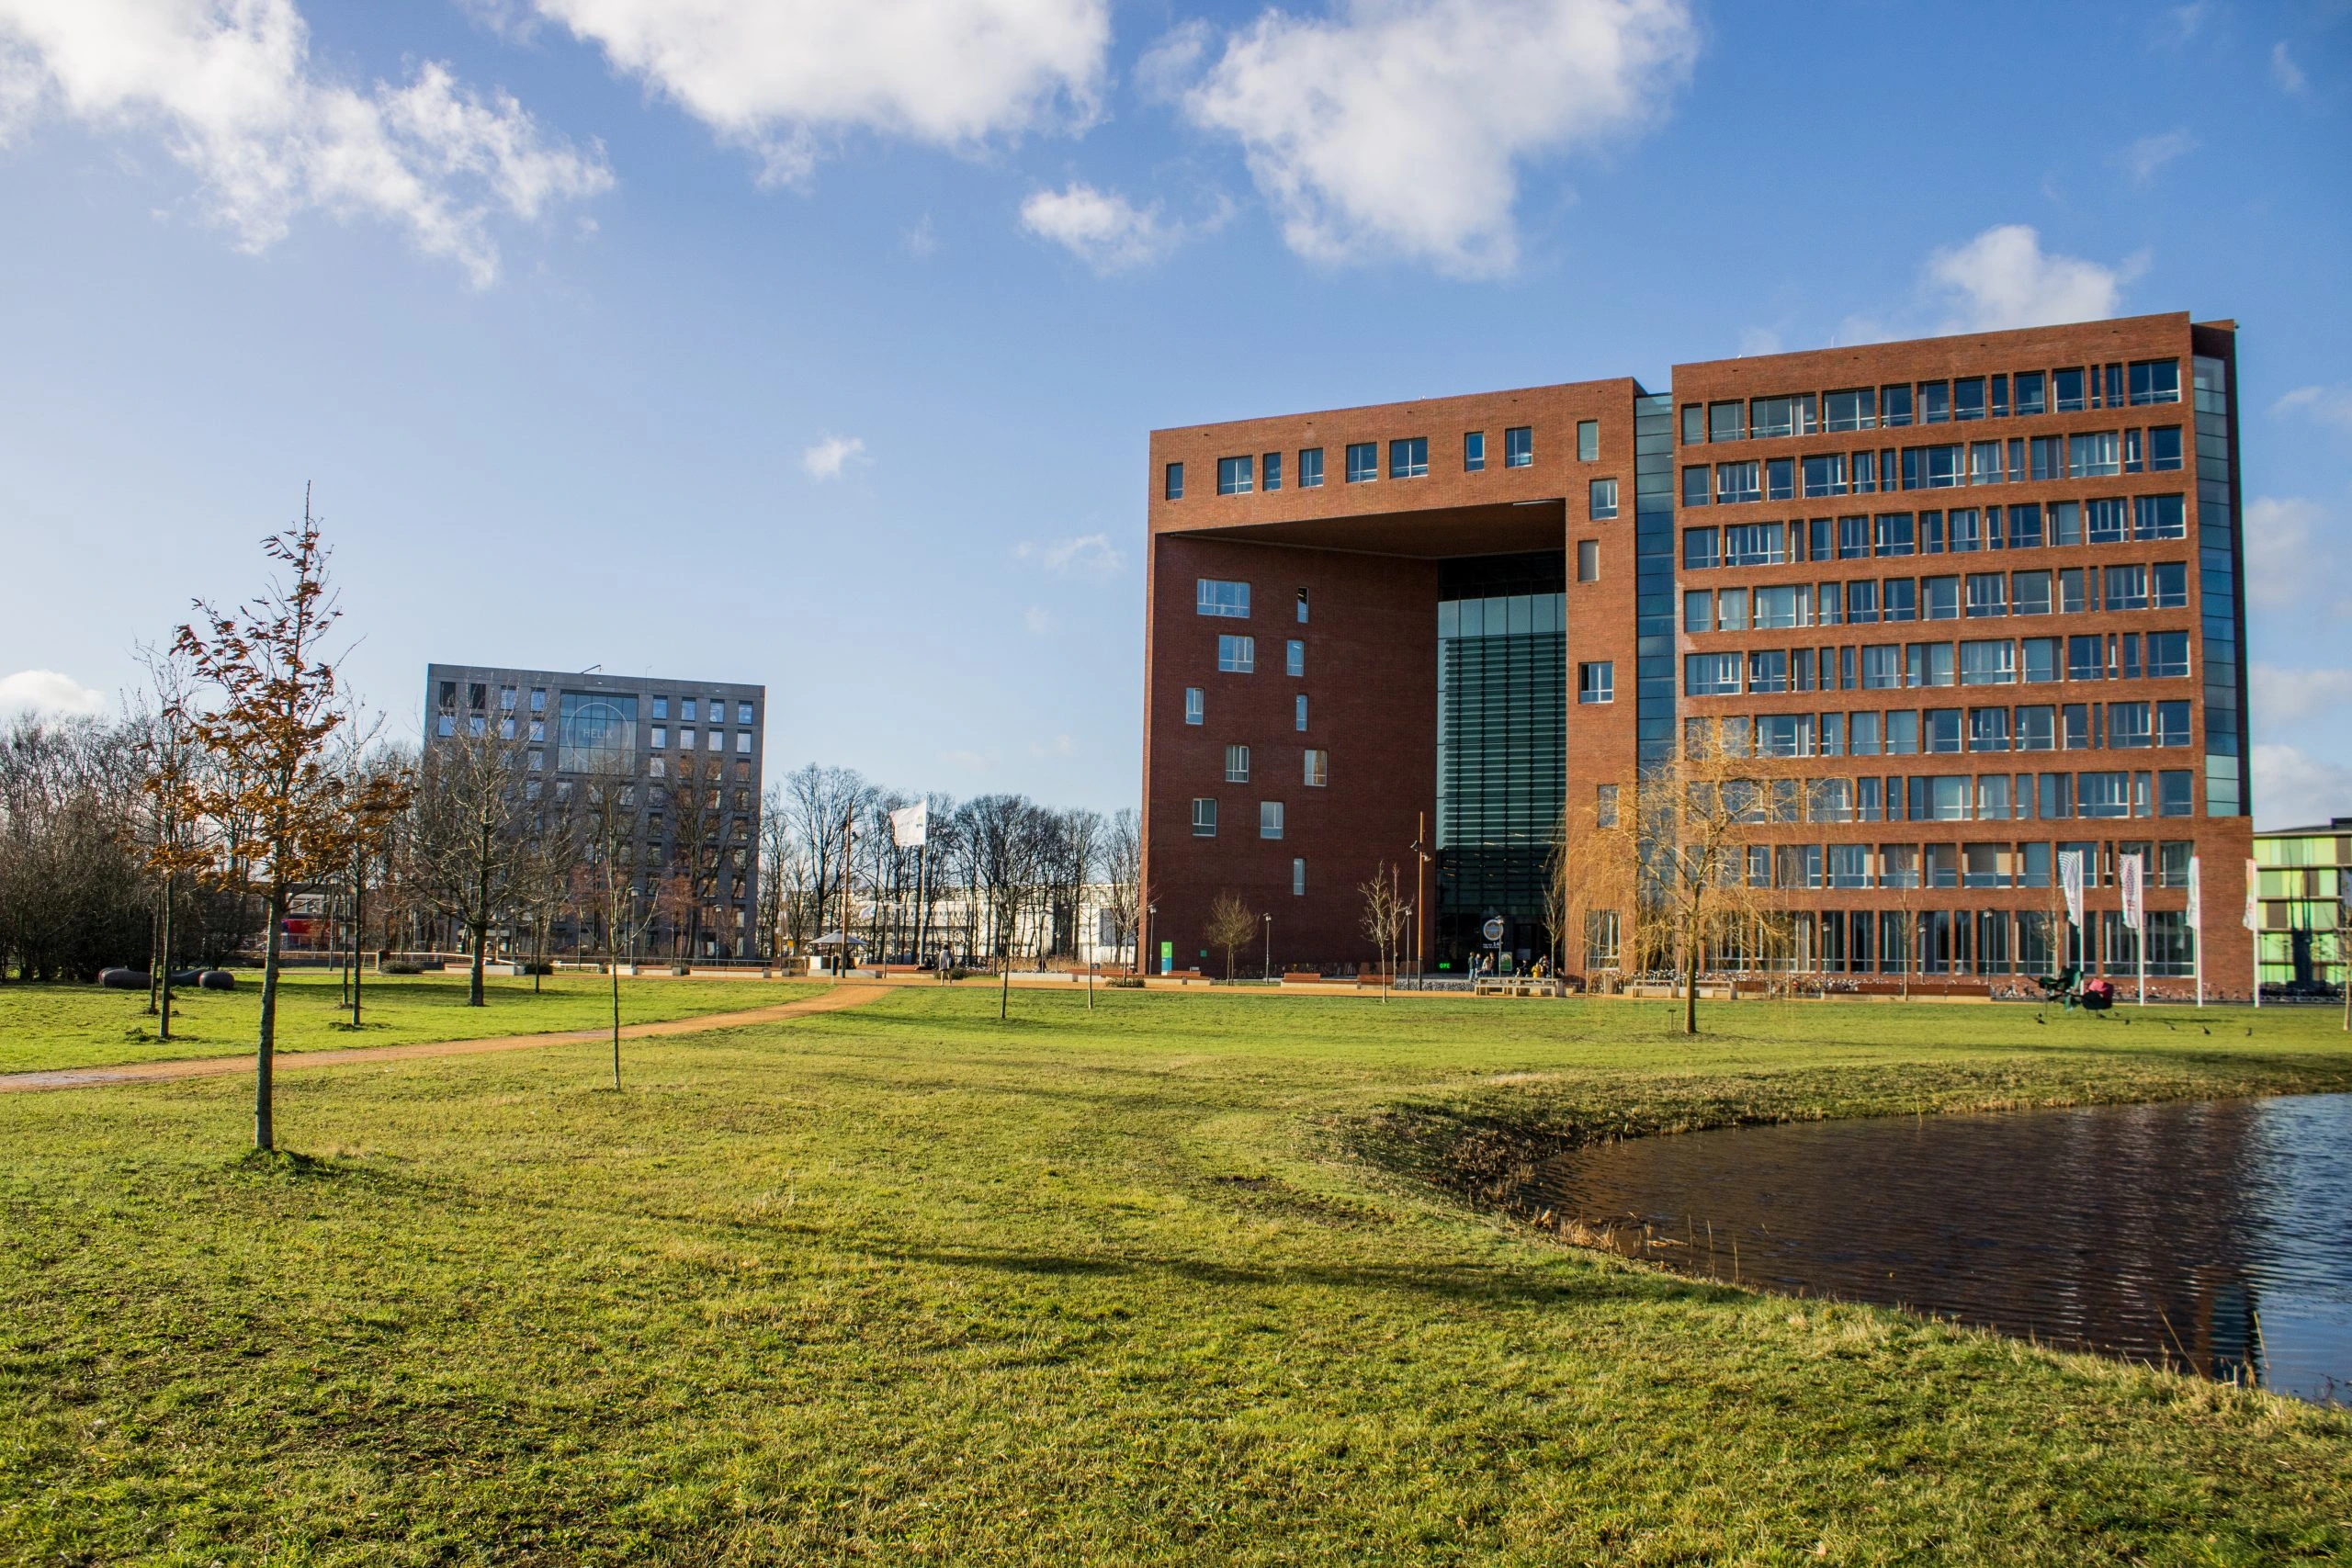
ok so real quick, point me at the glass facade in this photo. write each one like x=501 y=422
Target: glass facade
x=595 y=734
x=1502 y=750
x=1654 y=575
x=2227 y=785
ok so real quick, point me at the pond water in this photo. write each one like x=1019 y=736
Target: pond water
x=2214 y=1237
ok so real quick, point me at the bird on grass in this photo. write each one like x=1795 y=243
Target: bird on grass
x=2040 y=1020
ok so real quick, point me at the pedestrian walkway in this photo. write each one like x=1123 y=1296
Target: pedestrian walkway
x=831 y=1000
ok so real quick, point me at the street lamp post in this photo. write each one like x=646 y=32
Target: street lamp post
x=1150 y=913
x=1269 y=944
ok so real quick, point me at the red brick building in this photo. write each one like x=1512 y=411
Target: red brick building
x=1974 y=601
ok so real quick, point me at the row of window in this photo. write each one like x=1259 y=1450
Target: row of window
x=1238 y=655
x=1980 y=595
x=1968 y=530
x=1889 y=666
x=2100 y=455
x=1409 y=458
x=2136 y=384
x=1315 y=771
x=1196 y=707
x=1220 y=597
x=478 y=695
x=1910 y=732
x=1962 y=797
x=1988 y=865
x=1269 y=818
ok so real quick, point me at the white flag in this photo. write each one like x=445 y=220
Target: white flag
x=2128 y=873
x=2195 y=897
x=2070 y=877
x=910 y=824
x=2252 y=896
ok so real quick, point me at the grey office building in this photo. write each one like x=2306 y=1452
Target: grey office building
x=692 y=751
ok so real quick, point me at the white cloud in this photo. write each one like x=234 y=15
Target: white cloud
x=2330 y=405
x=2284 y=696
x=1103 y=228
x=826 y=460
x=2289 y=559
x=229 y=85
x=1037 y=621
x=2180 y=24
x=2283 y=69
x=922 y=240
x=2002 y=278
x=2145 y=157
x=1059 y=746
x=1092 y=554
x=1398 y=128
x=1759 y=339
x=2292 y=788
x=785 y=77
x=46 y=691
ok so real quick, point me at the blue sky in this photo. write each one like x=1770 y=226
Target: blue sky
x=816 y=343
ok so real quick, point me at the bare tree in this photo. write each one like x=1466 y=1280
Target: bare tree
x=1231 y=924
x=1122 y=873
x=272 y=713
x=471 y=832
x=1385 y=911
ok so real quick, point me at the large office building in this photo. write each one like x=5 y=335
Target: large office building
x=1971 y=602
x=687 y=755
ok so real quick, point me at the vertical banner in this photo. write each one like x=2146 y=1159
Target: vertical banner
x=2197 y=922
x=910 y=826
x=2070 y=877
x=2254 y=922
x=2128 y=873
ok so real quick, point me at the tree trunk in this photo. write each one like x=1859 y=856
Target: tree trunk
x=1690 y=989
x=358 y=935
x=163 y=970
x=264 y=1129
x=480 y=924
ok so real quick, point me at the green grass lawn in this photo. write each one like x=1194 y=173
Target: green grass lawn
x=902 y=1284
x=44 y=1026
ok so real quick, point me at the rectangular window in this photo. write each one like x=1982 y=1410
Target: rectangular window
x=1298 y=879
x=1772 y=417
x=1988 y=729
x=1233 y=476
x=1927 y=664
x=1474 y=451
x=1853 y=538
x=1865 y=472
x=1270 y=820
x=1587 y=561
x=1830 y=602
x=1236 y=764
x=1597 y=682
x=2066 y=388
x=1780 y=608
x=2106 y=522
x=1174 y=487
x=2037 y=728
x=2095 y=455
x=1941 y=729
x=1588 y=441
x=1824 y=475
x=1784 y=735
x=1318 y=769
x=1731 y=610
x=742 y=713
x=1203 y=817
x=1968 y=397
x=1856 y=409
x=1935 y=402
x=1986 y=591
x=1363 y=462
x=2031 y=595
x=743 y=742
x=1237 y=655
x=1271 y=470
x=1881 y=669
x=2040 y=655
x=1214 y=596
x=1849 y=865
x=1694 y=425
x=2132 y=460
x=2172 y=724
x=538 y=730
x=2156 y=382
x=1780 y=479
x=2164 y=449
x=1711 y=675
x=2103 y=795
x=1302 y=606
x=1939 y=598
x=2158 y=517
x=1409 y=459
x=1695 y=491
x=1310 y=468
x=1725 y=422
x=1737 y=482
x=1699 y=546
x=1298 y=713
x=1768 y=670
x=1295 y=657
x=1987 y=663
x=2173 y=795
x=1899 y=599
x=2167 y=655
x=1984 y=462
x=1196 y=704
x=1519 y=446
x=1603 y=502
x=1755 y=544
x=2127 y=587
x=1697 y=611
x=1604 y=806
x=2028 y=391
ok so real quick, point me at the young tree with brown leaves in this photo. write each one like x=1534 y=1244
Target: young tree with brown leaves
x=273 y=710
x=1385 y=911
x=1230 y=925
